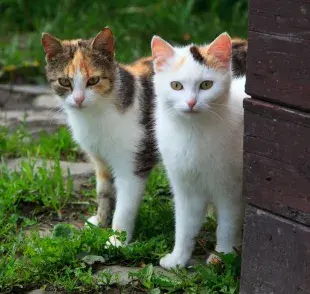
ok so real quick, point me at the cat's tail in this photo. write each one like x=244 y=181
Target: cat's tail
x=239 y=55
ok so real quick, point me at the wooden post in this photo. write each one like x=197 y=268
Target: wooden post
x=276 y=248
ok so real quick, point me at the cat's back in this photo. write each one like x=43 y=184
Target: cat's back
x=142 y=67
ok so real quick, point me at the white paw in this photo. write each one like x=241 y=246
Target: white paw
x=213 y=259
x=114 y=241
x=93 y=220
x=172 y=261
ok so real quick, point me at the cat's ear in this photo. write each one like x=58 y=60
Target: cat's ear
x=104 y=41
x=51 y=45
x=161 y=52
x=221 y=49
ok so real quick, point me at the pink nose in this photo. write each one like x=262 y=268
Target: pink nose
x=79 y=99
x=191 y=103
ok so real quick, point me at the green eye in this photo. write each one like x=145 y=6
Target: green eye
x=64 y=82
x=93 y=81
x=176 y=86
x=206 y=85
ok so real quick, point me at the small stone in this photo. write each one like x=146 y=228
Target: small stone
x=120 y=274
x=37 y=291
x=91 y=259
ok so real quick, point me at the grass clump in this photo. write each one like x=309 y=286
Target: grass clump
x=61 y=260
x=20 y=143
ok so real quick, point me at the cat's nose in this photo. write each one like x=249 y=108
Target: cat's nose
x=79 y=98
x=191 y=103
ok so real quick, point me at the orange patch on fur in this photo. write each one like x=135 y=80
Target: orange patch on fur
x=211 y=60
x=70 y=42
x=102 y=169
x=103 y=86
x=105 y=175
x=238 y=40
x=141 y=67
x=179 y=63
x=81 y=63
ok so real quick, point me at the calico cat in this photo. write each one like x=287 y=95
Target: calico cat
x=110 y=110
x=199 y=130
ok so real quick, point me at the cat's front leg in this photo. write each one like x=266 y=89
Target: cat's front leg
x=230 y=216
x=129 y=193
x=190 y=212
x=105 y=193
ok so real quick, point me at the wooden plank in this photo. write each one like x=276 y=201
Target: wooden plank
x=278 y=70
x=287 y=18
x=280 y=139
x=275 y=186
x=276 y=255
x=278 y=67
x=277 y=160
x=275 y=111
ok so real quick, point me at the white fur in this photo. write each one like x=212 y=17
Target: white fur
x=202 y=152
x=101 y=130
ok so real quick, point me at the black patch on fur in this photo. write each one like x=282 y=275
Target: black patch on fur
x=196 y=55
x=147 y=155
x=239 y=56
x=126 y=90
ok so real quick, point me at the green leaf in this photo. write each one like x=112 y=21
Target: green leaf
x=63 y=231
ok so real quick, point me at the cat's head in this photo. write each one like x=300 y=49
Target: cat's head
x=81 y=72
x=189 y=79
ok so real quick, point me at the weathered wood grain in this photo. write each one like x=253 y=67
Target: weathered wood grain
x=276 y=255
x=276 y=187
x=287 y=18
x=278 y=63
x=277 y=160
x=278 y=70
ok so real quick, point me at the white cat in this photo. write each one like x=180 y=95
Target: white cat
x=199 y=130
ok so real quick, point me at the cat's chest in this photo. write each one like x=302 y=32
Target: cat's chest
x=110 y=136
x=184 y=146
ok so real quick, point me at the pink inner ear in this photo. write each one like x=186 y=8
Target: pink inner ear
x=51 y=45
x=161 y=51
x=221 y=49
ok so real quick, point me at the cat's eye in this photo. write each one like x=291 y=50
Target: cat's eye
x=93 y=81
x=64 y=82
x=206 y=85
x=176 y=86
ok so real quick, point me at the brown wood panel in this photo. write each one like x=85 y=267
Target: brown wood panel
x=288 y=18
x=285 y=140
x=277 y=159
x=276 y=255
x=278 y=69
x=277 y=187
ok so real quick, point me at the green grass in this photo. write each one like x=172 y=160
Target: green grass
x=133 y=23
x=57 y=262
x=19 y=143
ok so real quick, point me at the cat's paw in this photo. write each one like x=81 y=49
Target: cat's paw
x=172 y=261
x=94 y=220
x=213 y=259
x=114 y=241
